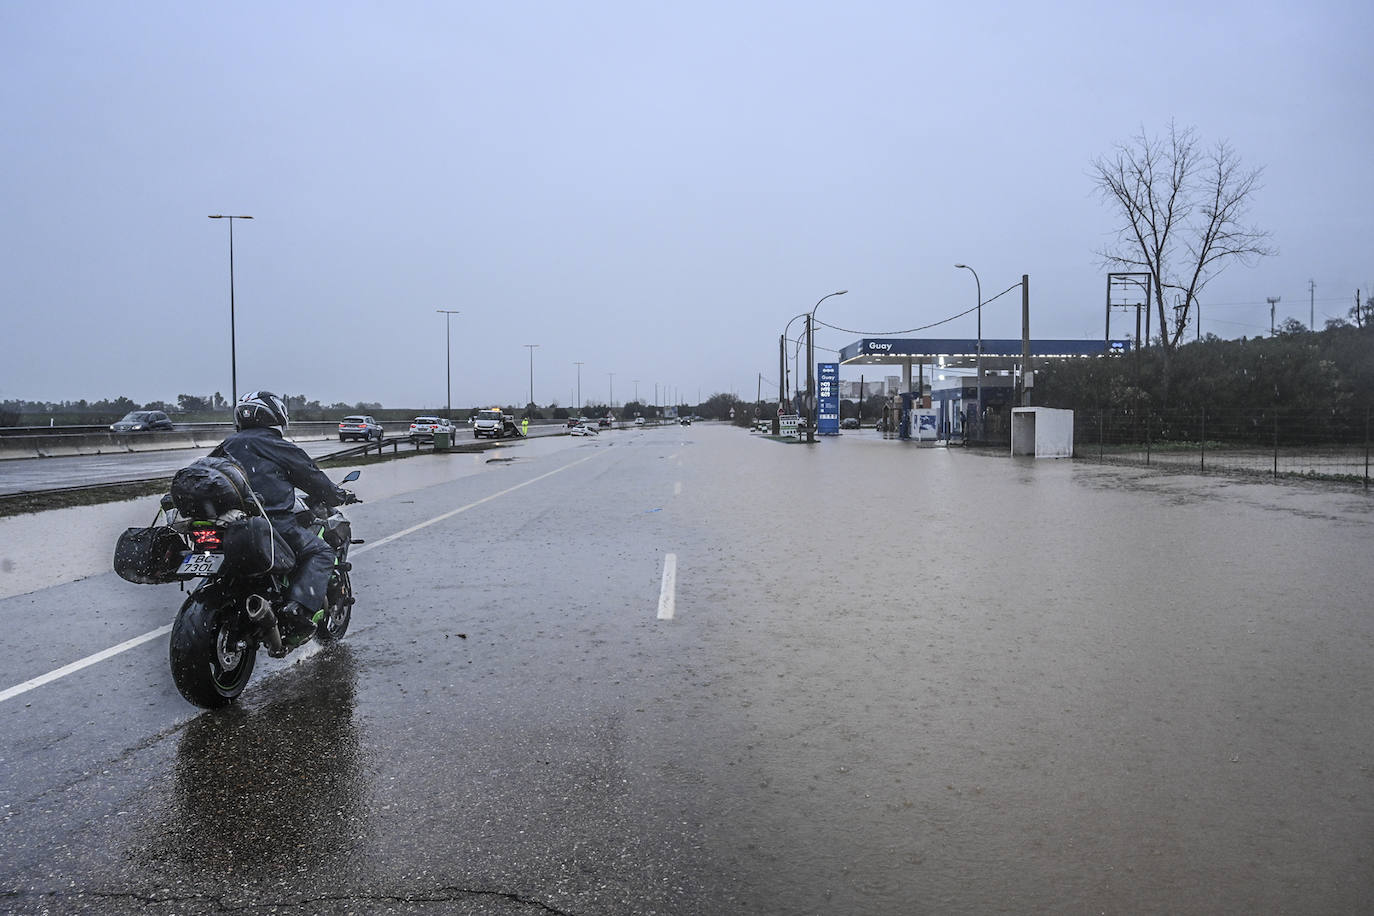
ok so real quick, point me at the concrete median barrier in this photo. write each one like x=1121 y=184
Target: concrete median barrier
x=104 y=442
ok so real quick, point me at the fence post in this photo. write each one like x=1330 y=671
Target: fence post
x=1276 y=443
x=1202 y=443
x=1147 y=437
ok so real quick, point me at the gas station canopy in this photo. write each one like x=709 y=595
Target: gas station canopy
x=963 y=352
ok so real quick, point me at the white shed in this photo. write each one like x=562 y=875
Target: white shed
x=1045 y=432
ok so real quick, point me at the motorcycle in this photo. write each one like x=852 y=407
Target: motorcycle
x=243 y=565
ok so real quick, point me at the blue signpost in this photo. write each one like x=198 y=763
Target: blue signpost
x=828 y=399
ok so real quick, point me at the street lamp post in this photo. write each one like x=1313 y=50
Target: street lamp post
x=978 y=286
x=579 y=386
x=233 y=349
x=611 y=383
x=785 y=341
x=811 y=366
x=531 y=349
x=448 y=358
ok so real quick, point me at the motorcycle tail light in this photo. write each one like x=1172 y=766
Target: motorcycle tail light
x=207 y=539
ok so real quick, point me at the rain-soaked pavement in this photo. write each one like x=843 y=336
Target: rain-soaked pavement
x=895 y=680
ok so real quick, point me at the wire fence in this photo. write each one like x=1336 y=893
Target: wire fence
x=1329 y=445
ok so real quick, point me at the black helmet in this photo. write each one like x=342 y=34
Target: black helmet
x=260 y=408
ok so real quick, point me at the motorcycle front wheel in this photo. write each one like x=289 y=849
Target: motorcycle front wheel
x=212 y=658
x=334 y=624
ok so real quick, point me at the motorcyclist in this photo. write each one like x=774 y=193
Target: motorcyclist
x=276 y=468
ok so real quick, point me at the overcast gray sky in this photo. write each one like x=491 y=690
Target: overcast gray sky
x=652 y=189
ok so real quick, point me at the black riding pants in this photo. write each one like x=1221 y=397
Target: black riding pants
x=314 y=562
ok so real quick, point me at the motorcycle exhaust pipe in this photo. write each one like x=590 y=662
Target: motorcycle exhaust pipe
x=259 y=611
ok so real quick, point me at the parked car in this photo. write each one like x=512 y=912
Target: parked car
x=424 y=428
x=364 y=428
x=849 y=423
x=141 y=421
x=583 y=429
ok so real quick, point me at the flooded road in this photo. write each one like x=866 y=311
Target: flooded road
x=895 y=680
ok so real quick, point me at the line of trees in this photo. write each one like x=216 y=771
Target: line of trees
x=215 y=408
x=1330 y=370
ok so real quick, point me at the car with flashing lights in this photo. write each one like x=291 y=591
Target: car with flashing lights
x=422 y=429
x=684 y=421
x=360 y=427
x=491 y=423
x=142 y=421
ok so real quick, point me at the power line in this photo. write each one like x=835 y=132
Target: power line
x=923 y=327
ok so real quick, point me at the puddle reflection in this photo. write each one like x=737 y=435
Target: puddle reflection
x=279 y=784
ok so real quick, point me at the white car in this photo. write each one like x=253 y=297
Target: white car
x=583 y=429
x=426 y=427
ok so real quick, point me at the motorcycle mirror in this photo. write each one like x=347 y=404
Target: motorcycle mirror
x=167 y=503
x=352 y=475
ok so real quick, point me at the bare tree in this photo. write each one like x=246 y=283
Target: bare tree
x=1184 y=211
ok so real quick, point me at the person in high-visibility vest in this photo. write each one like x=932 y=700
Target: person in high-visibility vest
x=525 y=426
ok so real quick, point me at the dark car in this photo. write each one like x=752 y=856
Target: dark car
x=142 y=421
x=849 y=423
x=364 y=428
x=604 y=422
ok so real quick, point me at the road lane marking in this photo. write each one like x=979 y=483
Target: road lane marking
x=452 y=512
x=667 y=592
x=86 y=662
x=677 y=488
x=128 y=644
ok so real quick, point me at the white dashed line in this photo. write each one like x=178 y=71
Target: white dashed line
x=677 y=488
x=666 y=594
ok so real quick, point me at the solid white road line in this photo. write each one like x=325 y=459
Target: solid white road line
x=452 y=512
x=128 y=644
x=667 y=593
x=86 y=662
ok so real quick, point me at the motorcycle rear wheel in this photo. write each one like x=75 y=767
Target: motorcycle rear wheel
x=211 y=660
x=339 y=612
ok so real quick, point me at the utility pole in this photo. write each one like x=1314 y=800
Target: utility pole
x=1026 y=369
x=1312 y=305
x=1273 y=301
x=579 y=386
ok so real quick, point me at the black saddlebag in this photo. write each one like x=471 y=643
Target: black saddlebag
x=149 y=556
x=210 y=487
x=252 y=547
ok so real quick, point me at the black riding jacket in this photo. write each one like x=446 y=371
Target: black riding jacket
x=276 y=468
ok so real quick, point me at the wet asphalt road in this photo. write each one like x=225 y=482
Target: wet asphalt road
x=895 y=681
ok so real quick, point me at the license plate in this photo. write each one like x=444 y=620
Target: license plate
x=201 y=564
